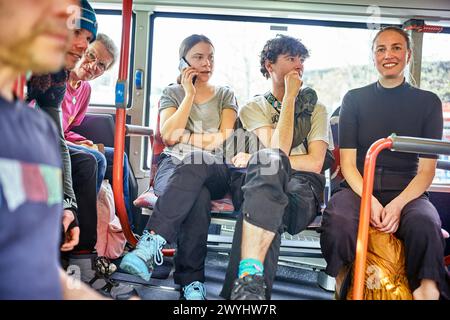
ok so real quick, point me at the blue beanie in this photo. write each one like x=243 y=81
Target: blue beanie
x=88 y=20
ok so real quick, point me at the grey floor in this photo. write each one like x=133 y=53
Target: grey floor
x=293 y=281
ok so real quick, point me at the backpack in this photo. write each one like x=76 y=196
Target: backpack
x=111 y=240
x=248 y=142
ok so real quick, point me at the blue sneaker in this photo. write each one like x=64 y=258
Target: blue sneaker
x=194 y=291
x=148 y=252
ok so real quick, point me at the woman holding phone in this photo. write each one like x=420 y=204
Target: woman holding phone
x=195 y=118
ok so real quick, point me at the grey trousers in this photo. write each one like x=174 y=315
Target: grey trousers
x=182 y=211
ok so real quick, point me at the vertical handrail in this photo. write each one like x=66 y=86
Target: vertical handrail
x=364 y=215
x=119 y=138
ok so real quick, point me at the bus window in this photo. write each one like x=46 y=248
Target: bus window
x=332 y=70
x=434 y=77
x=103 y=88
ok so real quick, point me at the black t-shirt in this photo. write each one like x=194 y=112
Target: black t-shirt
x=374 y=112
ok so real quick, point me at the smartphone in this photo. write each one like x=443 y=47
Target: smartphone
x=183 y=65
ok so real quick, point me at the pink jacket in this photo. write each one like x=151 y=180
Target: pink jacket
x=74 y=107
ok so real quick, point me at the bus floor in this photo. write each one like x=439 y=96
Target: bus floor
x=291 y=282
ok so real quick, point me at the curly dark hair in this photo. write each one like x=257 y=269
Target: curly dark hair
x=281 y=44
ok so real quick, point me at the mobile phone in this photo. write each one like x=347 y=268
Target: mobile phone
x=183 y=65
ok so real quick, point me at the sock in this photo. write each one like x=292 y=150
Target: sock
x=249 y=267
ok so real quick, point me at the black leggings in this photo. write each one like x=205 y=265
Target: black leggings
x=419 y=229
x=84 y=178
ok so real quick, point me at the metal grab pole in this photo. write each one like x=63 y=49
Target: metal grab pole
x=364 y=215
x=419 y=145
x=119 y=139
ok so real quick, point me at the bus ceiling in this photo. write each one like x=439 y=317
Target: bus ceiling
x=393 y=11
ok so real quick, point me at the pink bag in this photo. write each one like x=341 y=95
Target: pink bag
x=111 y=240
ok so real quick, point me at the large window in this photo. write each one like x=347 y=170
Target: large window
x=103 y=88
x=340 y=58
x=435 y=77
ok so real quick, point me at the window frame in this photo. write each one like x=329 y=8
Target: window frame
x=115 y=12
x=240 y=18
x=436 y=185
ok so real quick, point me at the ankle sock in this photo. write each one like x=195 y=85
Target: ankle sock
x=249 y=267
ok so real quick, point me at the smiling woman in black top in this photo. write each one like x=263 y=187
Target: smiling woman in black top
x=400 y=203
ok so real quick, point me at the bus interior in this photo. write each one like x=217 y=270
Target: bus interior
x=338 y=34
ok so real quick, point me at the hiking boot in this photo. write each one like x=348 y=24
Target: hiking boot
x=251 y=287
x=194 y=291
x=148 y=253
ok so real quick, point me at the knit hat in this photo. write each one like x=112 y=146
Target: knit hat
x=88 y=20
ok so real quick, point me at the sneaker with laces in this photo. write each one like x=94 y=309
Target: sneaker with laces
x=194 y=291
x=148 y=253
x=251 y=287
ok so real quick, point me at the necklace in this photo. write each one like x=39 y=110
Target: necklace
x=74 y=100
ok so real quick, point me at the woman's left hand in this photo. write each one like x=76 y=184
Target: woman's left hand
x=390 y=217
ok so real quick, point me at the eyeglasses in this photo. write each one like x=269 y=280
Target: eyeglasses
x=92 y=57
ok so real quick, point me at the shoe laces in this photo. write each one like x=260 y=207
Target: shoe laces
x=150 y=246
x=251 y=284
x=194 y=290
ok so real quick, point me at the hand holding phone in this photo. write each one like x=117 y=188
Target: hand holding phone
x=183 y=65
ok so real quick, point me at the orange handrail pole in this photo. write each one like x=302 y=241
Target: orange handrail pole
x=119 y=138
x=364 y=215
x=19 y=87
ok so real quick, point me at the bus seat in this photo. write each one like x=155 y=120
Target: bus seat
x=97 y=127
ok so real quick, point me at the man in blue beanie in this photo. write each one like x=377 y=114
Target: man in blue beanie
x=48 y=91
x=88 y=19
x=85 y=31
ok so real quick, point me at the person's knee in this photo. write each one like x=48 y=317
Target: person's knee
x=196 y=162
x=269 y=161
x=87 y=167
x=199 y=158
x=101 y=163
x=421 y=225
x=267 y=156
x=340 y=217
x=420 y=217
x=337 y=228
